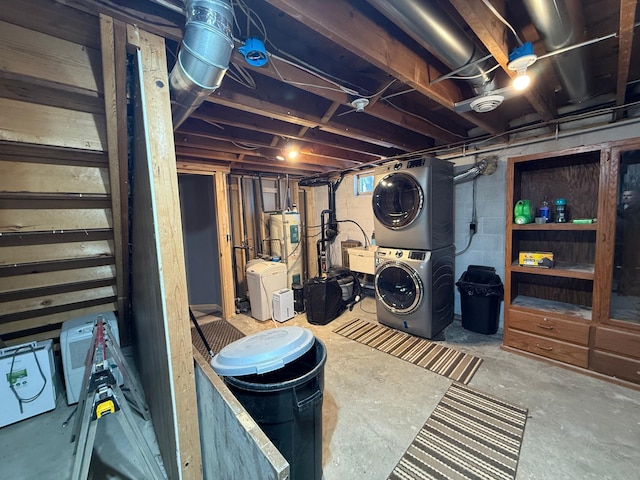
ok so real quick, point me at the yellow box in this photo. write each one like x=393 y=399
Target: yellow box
x=536 y=259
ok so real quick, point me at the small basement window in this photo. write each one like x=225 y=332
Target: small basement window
x=363 y=183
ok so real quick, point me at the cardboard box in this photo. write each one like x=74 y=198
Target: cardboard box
x=361 y=259
x=536 y=259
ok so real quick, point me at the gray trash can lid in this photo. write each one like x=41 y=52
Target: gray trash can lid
x=263 y=352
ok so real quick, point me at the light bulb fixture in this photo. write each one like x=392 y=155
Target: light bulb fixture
x=292 y=154
x=519 y=60
x=521 y=81
x=280 y=158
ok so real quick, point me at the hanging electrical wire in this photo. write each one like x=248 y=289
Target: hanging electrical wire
x=241 y=76
x=502 y=19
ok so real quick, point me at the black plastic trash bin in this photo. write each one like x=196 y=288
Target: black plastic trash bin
x=278 y=376
x=481 y=292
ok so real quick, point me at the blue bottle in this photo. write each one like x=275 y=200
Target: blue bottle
x=544 y=210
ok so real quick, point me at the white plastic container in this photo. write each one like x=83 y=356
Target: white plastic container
x=263 y=279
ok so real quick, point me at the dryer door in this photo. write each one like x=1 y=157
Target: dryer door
x=398 y=287
x=397 y=200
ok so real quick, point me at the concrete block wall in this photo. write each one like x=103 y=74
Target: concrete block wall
x=488 y=244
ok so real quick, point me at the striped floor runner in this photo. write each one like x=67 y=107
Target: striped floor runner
x=432 y=356
x=470 y=435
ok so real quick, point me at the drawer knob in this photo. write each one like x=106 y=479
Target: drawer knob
x=547 y=349
x=546 y=327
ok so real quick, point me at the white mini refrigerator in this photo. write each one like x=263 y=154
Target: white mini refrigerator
x=263 y=279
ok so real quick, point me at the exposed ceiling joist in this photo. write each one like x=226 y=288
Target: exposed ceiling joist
x=625 y=42
x=344 y=25
x=492 y=33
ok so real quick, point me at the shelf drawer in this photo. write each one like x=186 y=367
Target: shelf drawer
x=546 y=347
x=618 y=341
x=549 y=326
x=624 y=368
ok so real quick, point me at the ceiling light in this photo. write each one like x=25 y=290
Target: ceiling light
x=522 y=81
x=292 y=154
x=359 y=104
x=519 y=60
x=280 y=158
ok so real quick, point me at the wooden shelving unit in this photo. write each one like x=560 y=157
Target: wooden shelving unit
x=562 y=314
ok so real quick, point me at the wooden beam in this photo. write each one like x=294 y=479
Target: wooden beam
x=492 y=33
x=303 y=161
x=241 y=134
x=225 y=248
x=221 y=143
x=343 y=24
x=625 y=42
x=112 y=63
x=159 y=282
x=252 y=104
x=281 y=70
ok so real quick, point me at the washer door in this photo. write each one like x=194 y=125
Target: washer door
x=398 y=287
x=397 y=200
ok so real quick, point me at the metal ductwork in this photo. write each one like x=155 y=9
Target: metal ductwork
x=485 y=166
x=561 y=24
x=203 y=58
x=429 y=25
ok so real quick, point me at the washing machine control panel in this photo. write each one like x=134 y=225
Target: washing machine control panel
x=416 y=255
x=415 y=163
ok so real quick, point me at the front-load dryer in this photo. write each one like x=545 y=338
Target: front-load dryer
x=413 y=204
x=414 y=289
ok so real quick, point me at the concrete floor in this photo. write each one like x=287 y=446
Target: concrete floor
x=374 y=404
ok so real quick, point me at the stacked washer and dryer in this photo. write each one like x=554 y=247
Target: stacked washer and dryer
x=413 y=223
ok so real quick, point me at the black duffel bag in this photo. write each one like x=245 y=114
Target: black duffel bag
x=326 y=298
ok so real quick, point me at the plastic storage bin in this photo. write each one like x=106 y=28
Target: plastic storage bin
x=278 y=376
x=481 y=292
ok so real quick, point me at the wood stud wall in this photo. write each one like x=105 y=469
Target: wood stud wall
x=58 y=257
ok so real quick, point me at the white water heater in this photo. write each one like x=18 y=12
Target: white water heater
x=286 y=243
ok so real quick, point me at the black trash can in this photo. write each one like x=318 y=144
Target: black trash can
x=481 y=292
x=278 y=376
x=298 y=297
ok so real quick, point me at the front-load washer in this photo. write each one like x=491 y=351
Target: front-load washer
x=413 y=204
x=414 y=289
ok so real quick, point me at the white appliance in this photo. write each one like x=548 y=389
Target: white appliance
x=283 y=305
x=27 y=387
x=264 y=278
x=75 y=338
x=285 y=233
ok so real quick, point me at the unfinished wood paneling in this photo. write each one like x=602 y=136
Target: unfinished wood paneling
x=44 y=279
x=44 y=125
x=12 y=256
x=37 y=55
x=23 y=152
x=49 y=301
x=42 y=177
x=159 y=283
x=233 y=437
x=53 y=19
x=19 y=220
